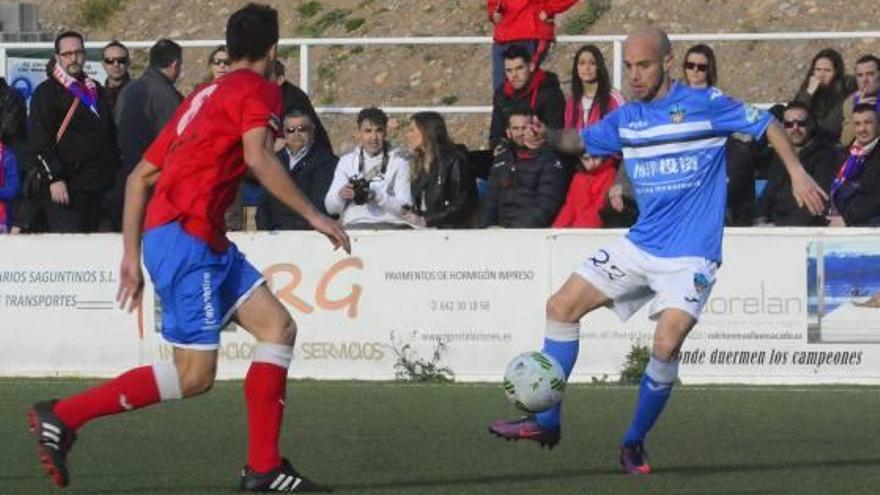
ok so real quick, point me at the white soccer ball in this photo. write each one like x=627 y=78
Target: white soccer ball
x=534 y=382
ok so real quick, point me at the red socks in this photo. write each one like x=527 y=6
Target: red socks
x=131 y=390
x=264 y=391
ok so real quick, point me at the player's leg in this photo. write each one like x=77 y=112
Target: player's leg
x=683 y=286
x=564 y=310
x=265 y=388
x=656 y=386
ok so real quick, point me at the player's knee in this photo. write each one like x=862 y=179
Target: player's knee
x=666 y=348
x=195 y=383
x=558 y=309
x=281 y=331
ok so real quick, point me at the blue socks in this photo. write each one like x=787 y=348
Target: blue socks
x=561 y=342
x=654 y=391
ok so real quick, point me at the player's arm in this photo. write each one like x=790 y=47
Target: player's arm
x=138 y=186
x=807 y=193
x=262 y=161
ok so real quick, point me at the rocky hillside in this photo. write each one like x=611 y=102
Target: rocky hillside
x=459 y=75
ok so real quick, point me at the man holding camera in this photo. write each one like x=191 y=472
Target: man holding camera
x=370 y=188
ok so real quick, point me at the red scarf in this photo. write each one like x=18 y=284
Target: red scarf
x=531 y=88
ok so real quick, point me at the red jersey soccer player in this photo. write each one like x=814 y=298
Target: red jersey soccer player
x=196 y=165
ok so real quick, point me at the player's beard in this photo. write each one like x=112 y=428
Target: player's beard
x=656 y=88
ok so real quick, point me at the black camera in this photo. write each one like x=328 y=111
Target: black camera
x=361 y=187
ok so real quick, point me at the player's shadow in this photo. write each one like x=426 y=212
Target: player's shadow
x=558 y=475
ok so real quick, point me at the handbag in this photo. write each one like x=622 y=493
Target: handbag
x=37 y=178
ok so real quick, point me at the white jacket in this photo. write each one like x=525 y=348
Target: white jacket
x=392 y=189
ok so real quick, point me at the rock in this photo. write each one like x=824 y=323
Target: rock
x=380 y=78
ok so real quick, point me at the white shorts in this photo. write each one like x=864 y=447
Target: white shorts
x=631 y=277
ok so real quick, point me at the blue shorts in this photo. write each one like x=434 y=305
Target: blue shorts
x=199 y=288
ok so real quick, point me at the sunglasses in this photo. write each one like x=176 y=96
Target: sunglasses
x=299 y=128
x=220 y=61
x=117 y=60
x=791 y=123
x=696 y=66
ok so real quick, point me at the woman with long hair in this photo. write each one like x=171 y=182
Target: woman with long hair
x=592 y=97
x=699 y=67
x=443 y=191
x=823 y=90
x=218 y=63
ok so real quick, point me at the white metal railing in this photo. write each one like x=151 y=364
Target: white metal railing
x=616 y=41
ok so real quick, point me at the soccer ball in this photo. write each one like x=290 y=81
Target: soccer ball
x=534 y=382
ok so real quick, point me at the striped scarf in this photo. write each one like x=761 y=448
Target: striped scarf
x=851 y=169
x=85 y=90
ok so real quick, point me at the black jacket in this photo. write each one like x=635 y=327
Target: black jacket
x=86 y=158
x=294 y=98
x=549 y=106
x=145 y=106
x=313 y=175
x=526 y=189
x=447 y=196
x=863 y=210
x=820 y=158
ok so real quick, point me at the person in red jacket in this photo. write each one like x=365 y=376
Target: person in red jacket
x=522 y=22
x=592 y=97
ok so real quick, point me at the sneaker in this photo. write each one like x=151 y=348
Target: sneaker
x=54 y=440
x=526 y=428
x=634 y=459
x=283 y=478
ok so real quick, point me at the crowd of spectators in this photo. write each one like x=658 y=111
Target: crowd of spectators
x=63 y=162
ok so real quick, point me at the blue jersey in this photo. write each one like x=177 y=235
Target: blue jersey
x=673 y=151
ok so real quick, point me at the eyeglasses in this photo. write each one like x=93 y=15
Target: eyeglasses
x=299 y=128
x=696 y=66
x=71 y=53
x=791 y=123
x=220 y=61
x=117 y=60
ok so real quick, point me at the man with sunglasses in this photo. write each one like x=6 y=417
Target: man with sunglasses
x=818 y=155
x=310 y=165
x=116 y=63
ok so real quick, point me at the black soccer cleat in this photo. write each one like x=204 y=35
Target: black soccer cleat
x=54 y=440
x=283 y=478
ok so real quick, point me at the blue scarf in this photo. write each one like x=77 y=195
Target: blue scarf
x=842 y=190
x=85 y=90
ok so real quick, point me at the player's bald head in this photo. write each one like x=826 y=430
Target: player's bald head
x=649 y=37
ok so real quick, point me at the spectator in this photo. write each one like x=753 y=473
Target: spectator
x=526 y=85
x=868 y=82
x=528 y=24
x=9 y=186
x=591 y=99
x=855 y=192
x=218 y=63
x=699 y=67
x=13 y=123
x=144 y=108
x=527 y=183
x=824 y=88
x=310 y=166
x=295 y=99
x=818 y=155
x=116 y=63
x=443 y=191
x=371 y=185
x=71 y=131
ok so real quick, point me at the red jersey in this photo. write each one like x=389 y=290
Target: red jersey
x=201 y=155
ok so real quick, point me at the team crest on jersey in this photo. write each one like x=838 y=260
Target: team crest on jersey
x=676 y=112
x=701 y=282
x=752 y=114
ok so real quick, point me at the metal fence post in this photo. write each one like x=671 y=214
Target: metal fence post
x=618 y=65
x=304 y=67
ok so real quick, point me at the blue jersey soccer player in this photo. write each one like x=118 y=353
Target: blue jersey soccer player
x=672 y=140
x=196 y=164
